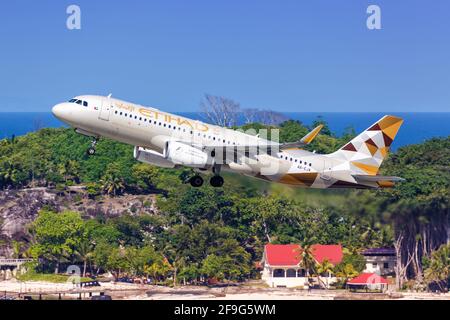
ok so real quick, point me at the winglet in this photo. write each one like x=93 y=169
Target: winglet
x=312 y=135
x=305 y=140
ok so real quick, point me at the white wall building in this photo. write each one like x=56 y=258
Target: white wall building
x=380 y=261
x=281 y=264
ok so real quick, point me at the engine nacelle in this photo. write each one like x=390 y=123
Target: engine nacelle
x=183 y=154
x=152 y=157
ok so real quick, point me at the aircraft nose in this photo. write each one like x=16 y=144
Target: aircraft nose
x=60 y=111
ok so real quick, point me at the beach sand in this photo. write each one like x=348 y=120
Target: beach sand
x=125 y=291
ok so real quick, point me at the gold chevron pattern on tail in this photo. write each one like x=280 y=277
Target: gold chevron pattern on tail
x=367 y=151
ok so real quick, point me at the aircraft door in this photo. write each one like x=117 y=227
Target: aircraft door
x=327 y=170
x=105 y=110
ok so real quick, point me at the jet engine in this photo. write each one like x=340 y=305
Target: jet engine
x=152 y=157
x=183 y=154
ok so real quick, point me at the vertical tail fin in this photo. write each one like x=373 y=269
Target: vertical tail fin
x=367 y=151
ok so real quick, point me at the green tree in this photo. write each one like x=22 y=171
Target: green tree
x=214 y=266
x=438 y=270
x=146 y=176
x=325 y=268
x=57 y=235
x=346 y=271
x=112 y=181
x=84 y=252
x=307 y=260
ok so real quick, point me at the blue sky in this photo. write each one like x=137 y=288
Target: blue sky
x=295 y=56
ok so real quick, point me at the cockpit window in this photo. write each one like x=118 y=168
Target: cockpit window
x=80 y=102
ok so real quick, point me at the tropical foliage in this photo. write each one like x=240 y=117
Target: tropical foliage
x=219 y=233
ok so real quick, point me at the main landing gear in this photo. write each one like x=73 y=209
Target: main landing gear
x=91 y=150
x=196 y=181
x=215 y=181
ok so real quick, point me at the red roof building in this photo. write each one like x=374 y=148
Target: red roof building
x=290 y=254
x=371 y=281
x=368 y=279
x=282 y=263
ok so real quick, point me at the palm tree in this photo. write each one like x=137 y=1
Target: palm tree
x=112 y=181
x=307 y=260
x=325 y=267
x=113 y=185
x=8 y=172
x=17 y=249
x=348 y=271
x=84 y=252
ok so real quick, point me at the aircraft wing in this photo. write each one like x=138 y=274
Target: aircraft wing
x=233 y=152
x=270 y=145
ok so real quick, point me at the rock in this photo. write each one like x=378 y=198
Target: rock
x=19 y=208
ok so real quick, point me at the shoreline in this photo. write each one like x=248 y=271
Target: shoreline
x=125 y=291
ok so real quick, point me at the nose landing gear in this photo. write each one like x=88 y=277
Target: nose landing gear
x=91 y=150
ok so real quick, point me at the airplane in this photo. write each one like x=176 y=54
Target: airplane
x=168 y=140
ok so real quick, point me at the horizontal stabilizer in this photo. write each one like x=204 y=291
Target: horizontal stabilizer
x=377 y=178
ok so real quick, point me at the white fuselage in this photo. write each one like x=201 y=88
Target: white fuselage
x=152 y=129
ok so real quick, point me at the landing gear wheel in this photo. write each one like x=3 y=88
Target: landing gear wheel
x=196 y=181
x=90 y=151
x=216 y=181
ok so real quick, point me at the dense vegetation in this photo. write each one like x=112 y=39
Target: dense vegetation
x=219 y=233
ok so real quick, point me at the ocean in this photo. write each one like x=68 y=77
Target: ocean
x=417 y=127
